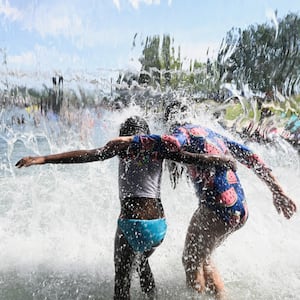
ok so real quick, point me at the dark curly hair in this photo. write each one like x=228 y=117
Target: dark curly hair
x=134 y=125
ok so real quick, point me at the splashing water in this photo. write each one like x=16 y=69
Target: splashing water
x=57 y=222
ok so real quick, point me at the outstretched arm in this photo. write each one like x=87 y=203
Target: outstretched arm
x=246 y=156
x=112 y=148
x=281 y=201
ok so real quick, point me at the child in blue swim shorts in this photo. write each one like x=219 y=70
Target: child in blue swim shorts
x=141 y=223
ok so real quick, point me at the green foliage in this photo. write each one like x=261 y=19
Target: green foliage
x=162 y=66
x=233 y=112
x=264 y=56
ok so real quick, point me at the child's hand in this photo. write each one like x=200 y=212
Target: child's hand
x=284 y=204
x=29 y=161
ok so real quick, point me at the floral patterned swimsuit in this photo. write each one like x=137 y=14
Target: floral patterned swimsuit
x=218 y=188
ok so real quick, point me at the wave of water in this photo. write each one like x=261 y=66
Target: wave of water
x=57 y=222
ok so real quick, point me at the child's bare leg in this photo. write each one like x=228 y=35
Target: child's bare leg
x=199 y=280
x=191 y=258
x=205 y=232
x=146 y=276
x=124 y=259
x=194 y=277
x=213 y=280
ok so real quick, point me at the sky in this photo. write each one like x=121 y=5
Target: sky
x=91 y=35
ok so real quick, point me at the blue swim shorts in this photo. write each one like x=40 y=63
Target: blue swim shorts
x=143 y=235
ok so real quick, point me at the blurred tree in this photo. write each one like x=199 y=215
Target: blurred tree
x=264 y=56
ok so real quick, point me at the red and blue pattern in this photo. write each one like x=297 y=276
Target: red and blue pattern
x=224 y=193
